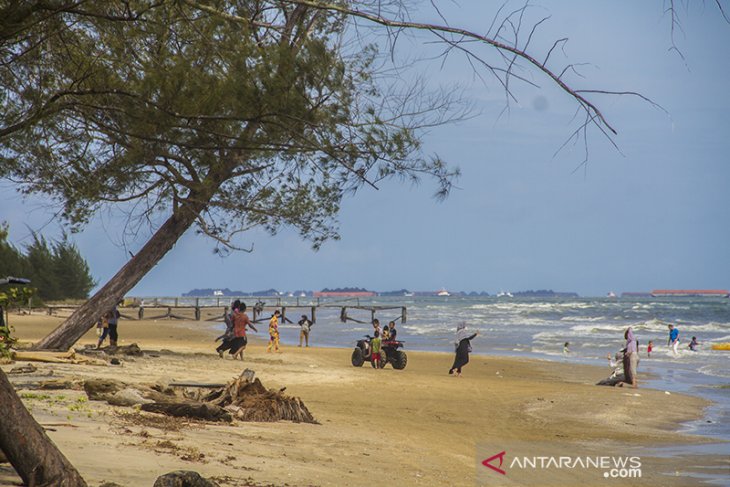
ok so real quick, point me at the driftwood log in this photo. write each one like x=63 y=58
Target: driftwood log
x=205 y=411
x=30 y=451
x=70 y=357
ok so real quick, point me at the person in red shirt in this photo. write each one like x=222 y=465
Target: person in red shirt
x=240 y=323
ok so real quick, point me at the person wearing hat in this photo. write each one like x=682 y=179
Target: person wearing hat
x=305 y=326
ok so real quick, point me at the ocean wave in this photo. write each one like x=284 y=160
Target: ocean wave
x=715 y=370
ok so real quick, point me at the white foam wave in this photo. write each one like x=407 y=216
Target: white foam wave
x=715 y=370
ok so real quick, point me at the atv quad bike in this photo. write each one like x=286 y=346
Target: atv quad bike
x=389 y=353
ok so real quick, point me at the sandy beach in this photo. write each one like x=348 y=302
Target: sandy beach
x=418 y=426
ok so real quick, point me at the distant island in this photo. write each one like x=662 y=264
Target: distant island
x=361 y=292
x=544 y=293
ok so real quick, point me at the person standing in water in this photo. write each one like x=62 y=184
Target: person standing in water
x=673 y=339
x=463 y=347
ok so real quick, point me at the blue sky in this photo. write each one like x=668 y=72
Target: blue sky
x=653 y=215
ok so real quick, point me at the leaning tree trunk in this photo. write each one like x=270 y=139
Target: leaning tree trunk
x=84 y=318
x=31 y=452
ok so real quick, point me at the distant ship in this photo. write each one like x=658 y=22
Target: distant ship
x=217 y=292
x=443 y=292
x=503 y=294
x=703 y=293
x=611 y=294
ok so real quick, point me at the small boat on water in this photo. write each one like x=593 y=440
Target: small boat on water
x=611 y=294
x=443 y=292
x=503 y=294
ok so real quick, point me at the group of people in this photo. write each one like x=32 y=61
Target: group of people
x=234 y=339
x=107 y=327
x=380 y=335
x=628 y=357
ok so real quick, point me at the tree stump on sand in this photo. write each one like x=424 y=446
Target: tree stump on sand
x=248 y=400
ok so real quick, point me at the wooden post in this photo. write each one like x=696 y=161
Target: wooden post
x=403 y=315
x=372 y=315
x=140 y=313
x=283 y=315
x=197 y=313
x=314 y=319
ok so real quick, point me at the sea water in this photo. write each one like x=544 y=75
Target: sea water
x=538 y=328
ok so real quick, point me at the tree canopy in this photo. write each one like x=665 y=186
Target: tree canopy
x=257 y=112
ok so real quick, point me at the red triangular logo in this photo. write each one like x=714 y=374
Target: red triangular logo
x=501 y=459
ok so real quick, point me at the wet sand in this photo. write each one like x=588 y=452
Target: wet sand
x=417 y=426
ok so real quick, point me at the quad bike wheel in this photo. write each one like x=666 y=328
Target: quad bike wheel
x=357 y=358
x=400 y=359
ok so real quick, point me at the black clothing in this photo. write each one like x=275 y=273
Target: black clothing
x=462 y=354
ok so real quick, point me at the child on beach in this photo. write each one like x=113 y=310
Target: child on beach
x=617 y=366
x=693 y=344
x=392 y=332
x=649 y=348
x=376 y=326
x=375 y=344
x=566 y=350
x=274 y=332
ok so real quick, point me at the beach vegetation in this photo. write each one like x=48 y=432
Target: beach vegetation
x=56 y=270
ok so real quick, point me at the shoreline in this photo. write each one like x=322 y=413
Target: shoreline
x=433 y=426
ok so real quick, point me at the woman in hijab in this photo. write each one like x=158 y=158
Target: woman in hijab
x=463 y=347
x=631 y=359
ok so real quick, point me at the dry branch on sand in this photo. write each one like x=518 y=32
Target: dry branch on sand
x=248 y=400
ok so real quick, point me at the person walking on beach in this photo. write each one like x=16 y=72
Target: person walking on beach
x=102 y=327
x=693 y=344
x=649 y=348
x=227 y=337
x=113 y=319
x=240 y=323
x=274 y=332
x=463 y=347
x=673 y=339
x=631 y=359
x=305 y=327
